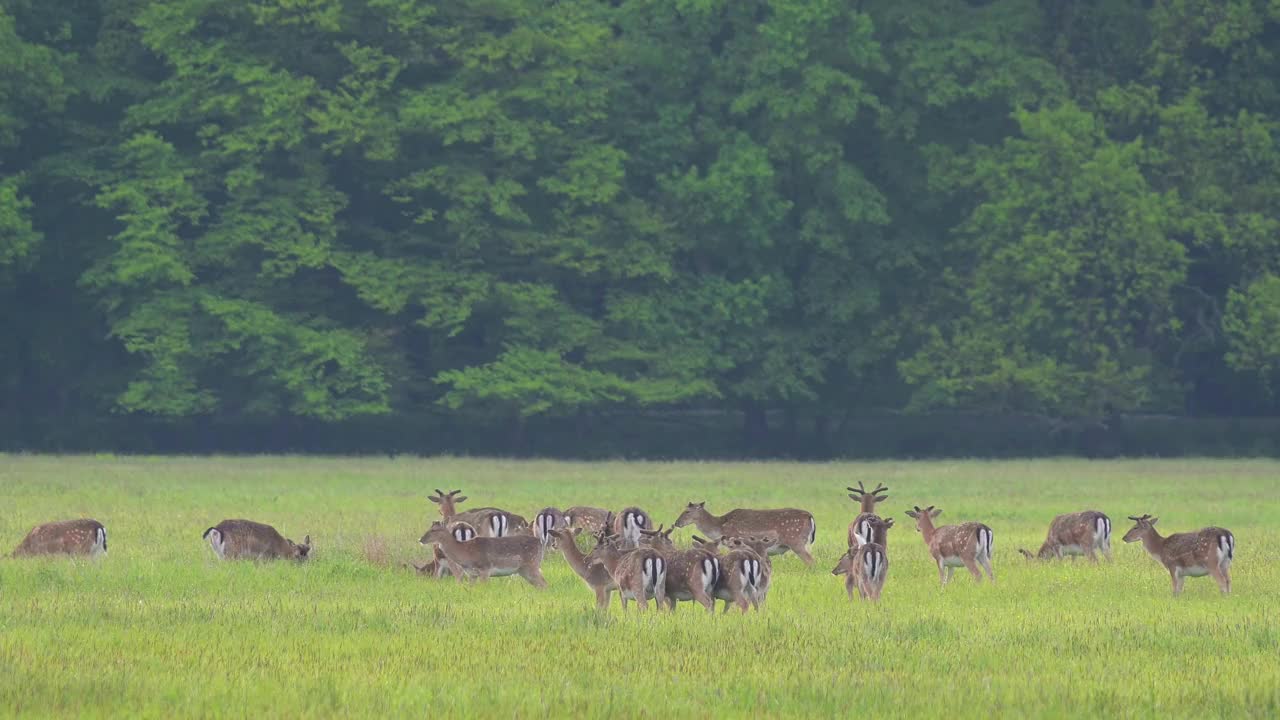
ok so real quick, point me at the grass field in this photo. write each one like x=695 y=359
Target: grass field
x=158 y=628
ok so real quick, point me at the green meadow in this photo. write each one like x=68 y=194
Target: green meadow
x=159 y=628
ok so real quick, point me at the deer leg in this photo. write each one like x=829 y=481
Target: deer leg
x=849 y=584
x=534 y=576
x=944 y=573
x=1090 y=553
x=1177 y=581
x=986 y=565
x=602 y=598
x=1224 y=584
x=972 y=566
x=482 y=576
x=802 y=552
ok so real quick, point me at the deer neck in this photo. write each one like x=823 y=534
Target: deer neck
x=447 y=510
x=709 y=525
x=868 y=505
x=927 y=530
x=1153 y=543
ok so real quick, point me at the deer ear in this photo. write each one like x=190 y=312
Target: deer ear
x=913 y=514
x=888 y=522
x=882 y=498
x=934 y=513
x=434 y=499
x=1154 y=520
x=460 y=498
x=307 y=541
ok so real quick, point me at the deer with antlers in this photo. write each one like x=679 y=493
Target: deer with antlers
x=793 y=529
x=249 y=540
x=1208 y=551
x=1075 y=534
x=481 y=558
x=488 y=521
x=862 y=525
x=969 y=544
x=64 y=537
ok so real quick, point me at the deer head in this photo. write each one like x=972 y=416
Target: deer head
x=924 y=518
x=1143 y=525
x=846 y=563
x=692 y=512
x=448 y=502
x=869 y=498
x=303 y=551
x=657 y=538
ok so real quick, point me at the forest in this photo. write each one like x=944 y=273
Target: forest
x=395 y=225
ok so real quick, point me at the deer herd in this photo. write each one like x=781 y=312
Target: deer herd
x=731 y=559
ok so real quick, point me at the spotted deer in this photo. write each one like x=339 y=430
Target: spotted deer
x=1208 y=551
x=64 y=537
x=865 y=569
x=488 y=521
x=547 y=520
x=867 y=499
x=483 y=557
x=588 y=567
x=640 y=573
x=588 y=519
x=438 y=566
x=1074 y=534
x=249 y=540
x=793 y=529
x=745 y=571
x=969 y=544
x=629 y=523
x=691 y=574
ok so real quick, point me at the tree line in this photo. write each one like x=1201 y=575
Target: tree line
x=501 y=212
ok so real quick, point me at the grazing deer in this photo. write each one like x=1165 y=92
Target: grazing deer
x=865 y=568
x=867 y=499
x=793 y=529
x=629 y=523
x=64 y=537
x=691 y=574
x=438 y=566
x=969 y=544
x=248 y=540
x=1075 y=534
x=588 y=567
x=547 y=520
x=640 y=573
x=1208 y=551
x=488 y=521
x=485 y=557
x=588 y=519
x=745 y=571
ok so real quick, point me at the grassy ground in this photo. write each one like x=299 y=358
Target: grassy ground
x=158 y=628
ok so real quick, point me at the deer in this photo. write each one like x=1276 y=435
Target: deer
x=64 y=537
x=868 y=499
x=588 y=567
x=547 y=520
x=969 y=544
x=1208 y=551
x=483 y=557
x=745 y=571
x=691 y=574
x=640 y=573
x=793 y=529
x=629 y=523
x=586 y=518
x=1075 y=534
x=438 y=566
x=249 y=540
x=865 y=568
x=488 y=521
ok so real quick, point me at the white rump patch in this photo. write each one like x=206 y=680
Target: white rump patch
x=218 y=543
x=99 y=543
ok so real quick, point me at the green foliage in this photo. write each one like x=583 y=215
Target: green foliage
x=1252 y=324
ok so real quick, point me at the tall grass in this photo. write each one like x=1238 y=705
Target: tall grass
x=159 y=628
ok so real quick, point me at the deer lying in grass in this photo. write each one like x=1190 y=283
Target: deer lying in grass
x=867 y=499
x=1074 y=534
x=629 y=523
x=865 y=568
x=1208 y=551
x=488 y=521
x=969 y=544
x=438 y=566
x=64 y=537
x=484 y=557
x=248 y=540
x=588 y=519
x=793 y=529
x=745 y=571
x=545 y=522
x=589 y=567
x=691 y=574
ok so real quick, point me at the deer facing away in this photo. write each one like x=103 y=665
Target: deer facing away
x=488 y=521
x=1074 y=534
x=865 y=569
x=1208 y=551
x=969 y=544
x=64 y=537
x=249 y=540
x=793 y=529
x=745 y=571
x=867 y=500
x=691 y=574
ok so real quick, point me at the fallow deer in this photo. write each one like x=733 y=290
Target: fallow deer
x=793 y=529
x=745 y=571
x=1208 y=551
x=640 y=573
x=588 y=567
x=865 y=569
x=485 y=557
x=1080 y=533
x=691 y=574
x=545 y=522
x=248 y=540
x=64 y=537
x=438 y=566
x=969 y=544
x=588 y=519
x=488 y=521
x=629 y=523
x=867 y=499
x=870 y=528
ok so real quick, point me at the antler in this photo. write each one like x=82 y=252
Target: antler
x=1140 y=519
